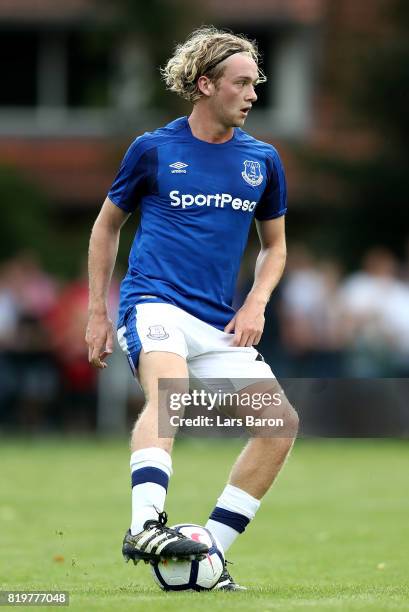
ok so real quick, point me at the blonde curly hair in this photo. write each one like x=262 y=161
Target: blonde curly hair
x=202 y=54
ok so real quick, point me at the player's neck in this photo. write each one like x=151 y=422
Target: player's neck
x=205 y=127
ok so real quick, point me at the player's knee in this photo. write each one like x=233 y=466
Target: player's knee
x=291 y=419
x=285 y=417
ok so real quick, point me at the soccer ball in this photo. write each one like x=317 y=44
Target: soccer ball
x=191 y=575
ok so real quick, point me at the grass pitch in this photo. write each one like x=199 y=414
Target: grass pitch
x=332 y=534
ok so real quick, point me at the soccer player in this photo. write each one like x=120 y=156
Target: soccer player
x=199 y=182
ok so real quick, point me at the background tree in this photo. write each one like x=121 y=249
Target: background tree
x=363 y=200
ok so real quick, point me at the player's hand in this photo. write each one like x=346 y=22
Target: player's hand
x=100 y=339
x=247 y=325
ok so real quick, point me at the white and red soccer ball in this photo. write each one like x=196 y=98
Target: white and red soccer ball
x=192 y=575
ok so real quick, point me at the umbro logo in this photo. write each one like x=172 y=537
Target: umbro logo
x=178 y=168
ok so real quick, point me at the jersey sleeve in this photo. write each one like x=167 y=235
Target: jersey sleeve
x=134 y=176
x=273 y=202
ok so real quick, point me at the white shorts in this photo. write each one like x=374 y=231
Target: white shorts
x=208 y=351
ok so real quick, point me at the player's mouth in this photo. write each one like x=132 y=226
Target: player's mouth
x=245 y=110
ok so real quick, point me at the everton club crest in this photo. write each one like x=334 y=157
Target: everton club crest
x=252 y=173
x=157 y=332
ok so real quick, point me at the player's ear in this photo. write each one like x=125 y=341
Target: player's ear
x=205 y=86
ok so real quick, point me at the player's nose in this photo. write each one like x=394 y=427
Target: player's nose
x=251 y=96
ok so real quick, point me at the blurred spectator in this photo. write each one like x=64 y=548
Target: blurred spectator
x=8 y=326
x=376 y=317
x=67 y=323
x=34 y=289
x=9 y=311
x=405 y=264
x=28 y=379
x=310 y=314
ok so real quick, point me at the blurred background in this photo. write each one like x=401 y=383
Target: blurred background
x=80 y=80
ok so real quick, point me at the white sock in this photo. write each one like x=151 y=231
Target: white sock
x=234 y=510
x=151 y=469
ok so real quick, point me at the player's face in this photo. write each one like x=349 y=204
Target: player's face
x=234 y=92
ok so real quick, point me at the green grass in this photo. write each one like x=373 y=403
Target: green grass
x=332 y=534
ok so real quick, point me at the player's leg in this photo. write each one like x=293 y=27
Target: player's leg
x=151 y=467
x=260 y=462
x=154 y=351
x=264 y=455
x=151 y=462
x=218 y=363
x=255 y=470
x=152 y=367
x=251 y=477
x=156 y=348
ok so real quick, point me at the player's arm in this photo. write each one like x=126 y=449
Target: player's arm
x=248 y=322
x=103 y=249
x=271 y=259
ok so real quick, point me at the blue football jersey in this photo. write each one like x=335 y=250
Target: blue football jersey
x=197 y=201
